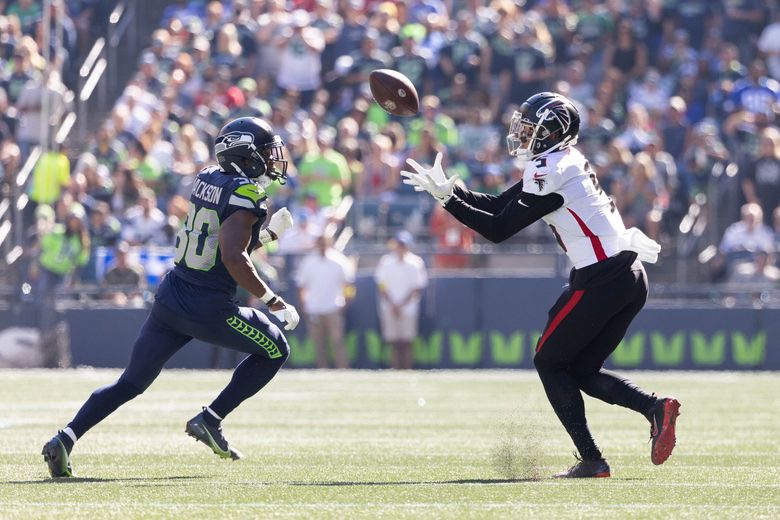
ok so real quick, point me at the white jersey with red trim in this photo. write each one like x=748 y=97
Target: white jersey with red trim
x=588 y=226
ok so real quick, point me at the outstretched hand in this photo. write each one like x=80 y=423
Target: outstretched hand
x=433 y=180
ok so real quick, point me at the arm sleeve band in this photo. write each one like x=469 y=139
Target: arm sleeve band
x=519 y=212
x=485 y=202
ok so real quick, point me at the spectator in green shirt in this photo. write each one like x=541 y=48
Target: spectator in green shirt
x=62 y=251
x=323 y=171
x=51 y=175
x=446 y=131
x=27 y=11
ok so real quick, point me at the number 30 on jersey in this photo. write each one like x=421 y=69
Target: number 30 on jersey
x=198 y=239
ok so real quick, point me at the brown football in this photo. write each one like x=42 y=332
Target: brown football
x=394 y=92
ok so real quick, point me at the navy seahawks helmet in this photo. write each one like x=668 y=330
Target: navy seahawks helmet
x=545 y=123
x=247 y=146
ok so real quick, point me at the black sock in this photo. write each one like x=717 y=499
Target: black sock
x=251 y=375
x=572 y=417
x=102 y=403
x=565 y=397
x=614 y=389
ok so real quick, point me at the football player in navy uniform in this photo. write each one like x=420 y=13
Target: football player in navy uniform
x=607 y=285
x=196 y=298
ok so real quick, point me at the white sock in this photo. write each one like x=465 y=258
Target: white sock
x=67 y=431
x=212 y=412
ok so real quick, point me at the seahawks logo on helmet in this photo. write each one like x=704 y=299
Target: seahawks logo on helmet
x=233 y=140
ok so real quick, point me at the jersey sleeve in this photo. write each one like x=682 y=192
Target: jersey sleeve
x=250 y=197
x=486 y=202
x=541 y=178
x=522 y=211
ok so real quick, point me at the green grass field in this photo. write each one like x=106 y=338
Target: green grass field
x=477 y=444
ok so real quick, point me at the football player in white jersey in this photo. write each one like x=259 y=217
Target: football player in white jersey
x=607 y=285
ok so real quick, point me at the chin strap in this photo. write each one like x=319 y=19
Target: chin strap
x=562 y=145
x=523 y=155
x=238 y=169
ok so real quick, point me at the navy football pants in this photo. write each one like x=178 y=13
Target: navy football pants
x=165 y=332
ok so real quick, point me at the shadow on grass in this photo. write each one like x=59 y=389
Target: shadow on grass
x=150 y=481
x=443 y=482
x=418 y=482
x=81 y=480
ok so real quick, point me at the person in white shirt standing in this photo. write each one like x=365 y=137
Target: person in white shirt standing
x=400 y=277
x=325 y=282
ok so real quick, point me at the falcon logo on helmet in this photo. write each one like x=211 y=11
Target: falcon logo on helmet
x=555 y=110
x=545 y=123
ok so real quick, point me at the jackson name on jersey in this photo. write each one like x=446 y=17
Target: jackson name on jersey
x=215 y=196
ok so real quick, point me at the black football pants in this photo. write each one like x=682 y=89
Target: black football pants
x=585 y=326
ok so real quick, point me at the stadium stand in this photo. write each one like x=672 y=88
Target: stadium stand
x=679 y=102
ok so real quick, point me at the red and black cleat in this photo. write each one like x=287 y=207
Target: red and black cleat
x=586 y=469
x=662 y=423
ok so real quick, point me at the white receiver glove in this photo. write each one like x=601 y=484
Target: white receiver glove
x=288 y=315
x=280 y=222
x=433 y=180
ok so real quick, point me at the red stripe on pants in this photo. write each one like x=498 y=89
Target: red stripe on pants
x=595 y=241
x=573 y=301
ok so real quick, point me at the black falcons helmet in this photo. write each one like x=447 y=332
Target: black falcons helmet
x=247 y=146
x=546 y=122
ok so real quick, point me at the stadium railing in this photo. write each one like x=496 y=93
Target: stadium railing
x=90 y=73
x=21 y=199
x=5 y=227
x=100 y=70
x=121 y=20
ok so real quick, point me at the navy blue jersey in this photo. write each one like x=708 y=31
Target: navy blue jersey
x=215 y=196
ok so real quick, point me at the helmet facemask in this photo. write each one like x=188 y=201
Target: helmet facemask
x=273 y=158
x=538 y=130
x=264 y=165
x=522 y=136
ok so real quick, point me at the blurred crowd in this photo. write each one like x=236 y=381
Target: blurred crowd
x=38 y=71
x=26 y=77
x=672 y=93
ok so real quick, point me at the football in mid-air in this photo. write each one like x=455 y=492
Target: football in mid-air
x=394 y=92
